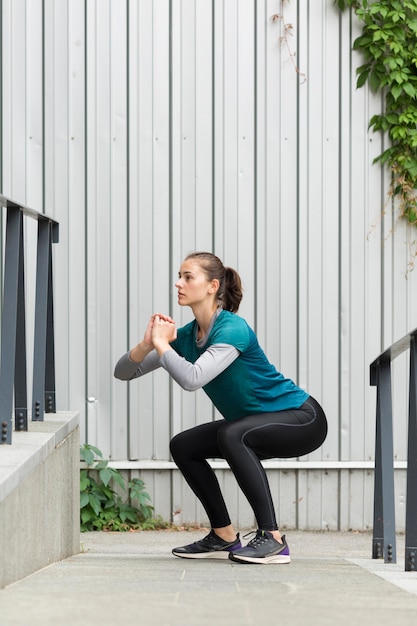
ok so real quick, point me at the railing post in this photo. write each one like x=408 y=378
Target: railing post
x=9 y=321
x=384 y=541
x=43 y=355
x=20 y=374
x=50 y=397
x=411 y=498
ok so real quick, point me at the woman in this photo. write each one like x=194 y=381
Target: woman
x=265 y=414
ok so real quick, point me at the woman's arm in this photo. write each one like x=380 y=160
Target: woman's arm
x=142 y=358
x=126 y=369
x=192 y=376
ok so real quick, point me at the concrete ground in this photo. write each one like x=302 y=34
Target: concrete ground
x=132 y=579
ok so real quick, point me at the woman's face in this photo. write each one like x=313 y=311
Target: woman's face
x=193 y=285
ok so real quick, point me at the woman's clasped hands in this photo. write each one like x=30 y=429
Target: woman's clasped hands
x=161 y=331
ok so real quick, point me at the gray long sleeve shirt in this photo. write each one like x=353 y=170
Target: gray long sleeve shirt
x=190 y=376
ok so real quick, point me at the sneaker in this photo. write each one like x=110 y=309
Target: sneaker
x=263 y=548
x=210 y=547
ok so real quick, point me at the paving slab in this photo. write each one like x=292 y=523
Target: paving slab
x=132 y=579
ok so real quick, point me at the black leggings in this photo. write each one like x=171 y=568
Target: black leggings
x=244 y=443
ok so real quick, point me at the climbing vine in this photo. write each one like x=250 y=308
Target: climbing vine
x=286 y=32
x=388 y=43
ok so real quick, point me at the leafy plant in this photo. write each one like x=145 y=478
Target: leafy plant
x=388 y=44
x=102 y=508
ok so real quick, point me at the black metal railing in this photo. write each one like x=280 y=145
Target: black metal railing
x=13 y=360
x=384 y=538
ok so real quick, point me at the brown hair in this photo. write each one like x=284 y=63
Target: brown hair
x=230 y=292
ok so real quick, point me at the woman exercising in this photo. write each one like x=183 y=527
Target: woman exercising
x=265 y=414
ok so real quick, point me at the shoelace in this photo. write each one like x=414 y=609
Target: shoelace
x=258 y=540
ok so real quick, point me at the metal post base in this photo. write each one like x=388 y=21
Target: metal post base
x=411 y=559
x=378 y=551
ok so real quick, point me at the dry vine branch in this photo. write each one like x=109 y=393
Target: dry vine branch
x=288 y=30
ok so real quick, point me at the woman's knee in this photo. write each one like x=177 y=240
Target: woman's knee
x=177 y=445
x=229 y=433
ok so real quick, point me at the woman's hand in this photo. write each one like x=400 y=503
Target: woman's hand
x=147 y=340
x=143 y=348
x=163 y=332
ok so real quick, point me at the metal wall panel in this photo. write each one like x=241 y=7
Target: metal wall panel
x=150 y=192
x=65 y=188
x=155 y=127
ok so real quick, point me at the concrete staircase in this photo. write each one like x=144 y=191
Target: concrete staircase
x=39 y=496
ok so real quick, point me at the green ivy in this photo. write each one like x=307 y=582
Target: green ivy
x=102 y=508
x=388 y=44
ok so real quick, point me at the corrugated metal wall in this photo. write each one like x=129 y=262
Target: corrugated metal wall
x=151 y=128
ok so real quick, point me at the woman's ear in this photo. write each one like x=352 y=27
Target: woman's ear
x=214 y=286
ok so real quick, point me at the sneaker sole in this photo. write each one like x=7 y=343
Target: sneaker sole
x=220 y=554
x=277 y=559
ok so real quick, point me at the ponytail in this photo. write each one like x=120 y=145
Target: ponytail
x=231 y=294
